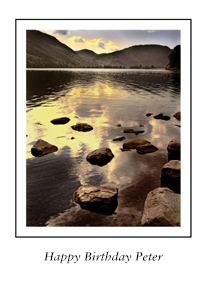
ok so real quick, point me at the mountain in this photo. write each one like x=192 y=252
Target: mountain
x=174 y=59
x=45 y=51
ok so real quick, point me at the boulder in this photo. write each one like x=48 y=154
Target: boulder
x=161 y=116
x=177 y=115
x=148 y=114
x=41 y=148
x=161 y=208
x=170 y=175
x=82 y=127
x=101 y=199
x=60 y=120
x=119 y=138
x=173 y=149
x=100 y=157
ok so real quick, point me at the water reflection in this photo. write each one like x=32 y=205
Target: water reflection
x=102 y=99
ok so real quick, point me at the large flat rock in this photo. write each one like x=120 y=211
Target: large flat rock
x=162 y=208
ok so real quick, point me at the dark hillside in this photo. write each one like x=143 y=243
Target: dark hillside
x=45 y=51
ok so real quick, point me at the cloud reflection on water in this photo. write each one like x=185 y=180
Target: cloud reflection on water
x=102 y=100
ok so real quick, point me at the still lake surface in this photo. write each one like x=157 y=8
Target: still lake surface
x=103 y=99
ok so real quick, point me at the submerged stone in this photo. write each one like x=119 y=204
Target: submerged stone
x=41 y=148
x=100 y=199
x=100 y=157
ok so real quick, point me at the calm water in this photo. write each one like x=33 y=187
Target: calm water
x=103 y=99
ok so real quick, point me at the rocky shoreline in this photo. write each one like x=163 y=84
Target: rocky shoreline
x=159 y=207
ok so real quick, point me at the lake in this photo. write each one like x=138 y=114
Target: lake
x=109 y=100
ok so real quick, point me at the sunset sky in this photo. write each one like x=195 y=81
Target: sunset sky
x=107 y=41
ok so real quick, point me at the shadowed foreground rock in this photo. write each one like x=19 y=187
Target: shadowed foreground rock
x=82 y=127
x=61 y=120
x=162 y=208
x=142 y=146
x=173 y=149
x=41 y=148
x=100 y=157
x=100 y=199
x=170 y=175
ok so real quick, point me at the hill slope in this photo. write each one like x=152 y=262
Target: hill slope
x=45 y=51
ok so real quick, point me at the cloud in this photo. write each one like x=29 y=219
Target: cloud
x=62 y=32
x=79 y=39
x=101 y=45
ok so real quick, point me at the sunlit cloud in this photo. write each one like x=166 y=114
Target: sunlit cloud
x=94 y=44
x=79 y=39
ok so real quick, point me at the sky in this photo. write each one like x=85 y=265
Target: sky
x=107 y=41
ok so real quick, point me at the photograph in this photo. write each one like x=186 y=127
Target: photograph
x=103 y=127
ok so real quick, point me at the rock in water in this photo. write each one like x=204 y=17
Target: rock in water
x=128 y=130
x=146 y=149
x=142 y=146
x=100 y=157
x=82 y=127
x=173 y=149
x=134 y=144
x=161 y=116
x=61 y=120
x=119 y=138
x=101 y=199
x=170 y=175
x=177 y=115
x=162 y=208
x=41 y=148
